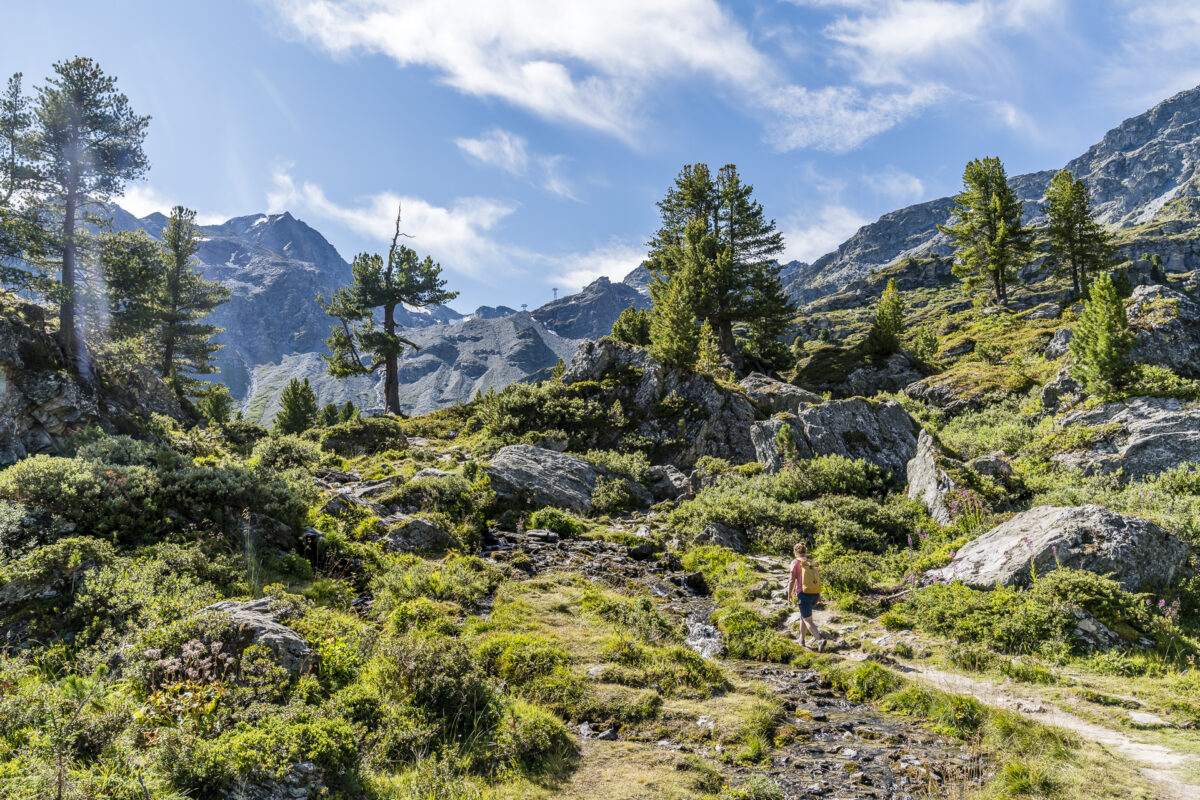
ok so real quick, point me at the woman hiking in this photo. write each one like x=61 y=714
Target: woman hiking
x=804 y=582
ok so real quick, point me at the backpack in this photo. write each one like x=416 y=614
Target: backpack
x=810 y=578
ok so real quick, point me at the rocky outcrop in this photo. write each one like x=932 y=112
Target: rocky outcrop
x=257 y=622
x=539 y=477
x=709 y=420
x=892 y=375
x=882 y=433
x=1143 y=436
x=771 y=396
x=927 y=481
x=1138 y=553
x=409 y=534
x=591 y=313
x=1060 y=344
x=1062 y=392
x=1167 y=324
x=722 y=536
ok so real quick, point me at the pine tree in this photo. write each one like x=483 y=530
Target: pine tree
x=133 y=269
x=187 y=345
x=633 y=327
x=375 y=283
x=297 y=408
x=85 y=143
x=776 y=311
x=674 y=338
x=1078 y=243
x=329 y=416
x=348 y=412
x=215 y=404
x=708 y=354
x=989 y=238
x=23 y=240
x=745 y=286
x=1102 y=340
x=884 y=337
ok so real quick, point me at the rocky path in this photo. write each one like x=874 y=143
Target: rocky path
x=1159 y=765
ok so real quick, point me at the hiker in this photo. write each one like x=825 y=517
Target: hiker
x=804 y=581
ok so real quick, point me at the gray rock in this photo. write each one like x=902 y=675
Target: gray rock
x=1153 y=434
x=431 y=472
x=1094 y=633
x=1144 y=719
x=1044 y=311
x=882 y=433
x=1063 y=391
x=722 y=536
x=1060 y=343
x=668 y=483
x=892 y=375
x=542 y=477
x=256 y=622
x=927 y=481
x=993 y=465
x=408 y=534
x=771 y=396
x=1136 y=551
x=1168 y=329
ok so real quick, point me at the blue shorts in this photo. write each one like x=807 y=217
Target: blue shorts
x=807 y=601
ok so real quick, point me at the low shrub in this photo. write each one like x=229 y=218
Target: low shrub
x=285 y=452
x=534 y=739
x=564 y=523
x=361 y=436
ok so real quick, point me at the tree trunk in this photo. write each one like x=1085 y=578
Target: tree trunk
x=727 y=344
x=998 y=282
x=391 y=367
x=67 y=335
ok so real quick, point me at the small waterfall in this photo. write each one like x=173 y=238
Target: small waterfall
x=703 y=636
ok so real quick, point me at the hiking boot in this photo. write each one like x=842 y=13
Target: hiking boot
x=820 y=645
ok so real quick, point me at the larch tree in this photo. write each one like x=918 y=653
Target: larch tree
x=358 y=344
x=990 y=240
x=85 y=144
x=185 y=298
x=1079 y=244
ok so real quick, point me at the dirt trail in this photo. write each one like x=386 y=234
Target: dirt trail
x=1158 y=764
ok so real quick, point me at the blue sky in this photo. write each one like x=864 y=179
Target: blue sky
x=530 y=140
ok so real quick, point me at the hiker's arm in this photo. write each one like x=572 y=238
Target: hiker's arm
x=791 y=583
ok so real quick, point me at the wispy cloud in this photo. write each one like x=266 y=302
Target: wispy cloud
x=614 y=261
x=896 y=185
x=808 y=238
x=1157 y=56
x=838 y=119
x=142 y=199
x=509 y=152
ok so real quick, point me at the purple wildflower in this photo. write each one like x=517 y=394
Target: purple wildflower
x=1162 y=603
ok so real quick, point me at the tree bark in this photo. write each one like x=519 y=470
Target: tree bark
x=727 y=344
x=391 y=367
x=67 y=335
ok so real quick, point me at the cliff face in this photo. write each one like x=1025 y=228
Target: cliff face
x=1143 y=172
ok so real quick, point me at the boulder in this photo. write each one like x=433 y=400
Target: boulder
x=771 y=396
x=927 y=481
x=882 y=433
x=668 y=483
x=1167 y=324
x=1063 y=391
x=892 y=375
x=1060 y=344
x=722 y=536
x=944 y=392
x=1044 y=311
x=409 y=534
x=542 y=477
x=1149 y=435
x=257 y=622
x=1138 y=553
x=431 y=472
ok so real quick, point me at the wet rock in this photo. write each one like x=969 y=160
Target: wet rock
x=409 y=534
x=1137 y=552
x=541 y=477
x=1152 y=434
x=641 y=552
x=928 y=482
x=771 y=396
x=257 y=622
x=696 y=582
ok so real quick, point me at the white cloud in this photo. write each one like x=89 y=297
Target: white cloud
x=840 y=118
x=614 y=261
x=458 y=237
x=586 y=63
x=896 y=185
x=1157 y=56
x=142 y=199
x=510 y=152
x=808 y=239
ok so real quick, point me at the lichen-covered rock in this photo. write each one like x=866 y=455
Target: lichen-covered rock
x=409 y=534
x=945 y=392
x=721 y=535
x=1062 y=392
x=257 y=622
x=892 y=375
x=687 y=414
x=771 y=396
x=1167 y=325
x=1146 y=435
x=666 y=482
x=1060 y=344
x=927 y=481
x=881 y=433
x=540 y=477
x=1135 y=551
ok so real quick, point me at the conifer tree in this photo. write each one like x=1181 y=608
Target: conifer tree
x=989 y=238
x=379 y=284
x=708 y=355
x=764 y=345
x=85 y=143
x=297 y=408
x=884 y=337
x=329 y=416
x=23 y=240
x=348 y=412
x=745 y=286
x=633 y=327
x=133 y=268
x=1102 y=340
x=215 y=404
x=1079 y=245
x=187 y=345
x=674 y=338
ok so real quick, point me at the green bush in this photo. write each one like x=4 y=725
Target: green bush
x=632 y=463
x=361 y=436
x=520 y=658
x=748 y=635
x=286 y=452
x=613 y=494
x=460 y=579
x=869 y=681
x=1004 y=619
x=564 y=523
x=534 y=738
x=451 y=495
x=635 y=615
